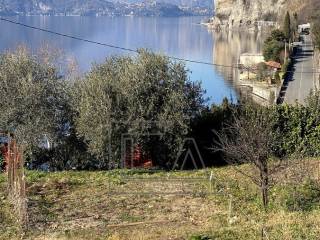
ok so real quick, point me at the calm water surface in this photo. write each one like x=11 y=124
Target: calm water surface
x=180 y=37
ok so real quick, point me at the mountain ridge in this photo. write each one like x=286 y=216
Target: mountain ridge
x=105 y=7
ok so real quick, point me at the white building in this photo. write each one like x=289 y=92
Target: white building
x=250 y=59
x=304 y=27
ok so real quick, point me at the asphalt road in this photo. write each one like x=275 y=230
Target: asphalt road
x=303 y=79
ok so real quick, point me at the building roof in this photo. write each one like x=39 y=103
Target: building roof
x=306 y=25
x=273 y=64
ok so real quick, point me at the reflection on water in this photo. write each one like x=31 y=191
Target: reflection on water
x=179 y=37
x=228 y=46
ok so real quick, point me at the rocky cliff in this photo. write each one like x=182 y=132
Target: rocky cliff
x=241 y=13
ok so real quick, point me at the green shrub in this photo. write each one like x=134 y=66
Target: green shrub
x=277 y=79
x=297 y=128
x=262 y=73
x=305 y=197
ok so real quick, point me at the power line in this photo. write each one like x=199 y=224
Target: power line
x=106 y=44
x=127 y=49
x=67 y=35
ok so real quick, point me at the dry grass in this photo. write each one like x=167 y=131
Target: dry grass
x=128 y=205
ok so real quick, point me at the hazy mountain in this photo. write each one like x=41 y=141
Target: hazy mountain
x=188 y=3
x=105 y=7
x=55 y=6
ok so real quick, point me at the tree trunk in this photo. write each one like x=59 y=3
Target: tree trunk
x=264 y=186
x=264 y=189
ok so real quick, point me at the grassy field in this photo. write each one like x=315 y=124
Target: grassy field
x=141 y=205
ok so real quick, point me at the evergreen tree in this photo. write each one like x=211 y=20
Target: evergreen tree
x=316 y=28
x=287 y=26
x=295 y=25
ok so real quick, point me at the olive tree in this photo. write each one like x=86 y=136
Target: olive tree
x=33 y=98
x=139 y=96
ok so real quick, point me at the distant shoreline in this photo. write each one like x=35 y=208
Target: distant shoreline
x=98 y=16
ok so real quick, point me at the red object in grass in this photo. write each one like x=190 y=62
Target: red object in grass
x=148 y=165
x=5 y=154
x=138 y=160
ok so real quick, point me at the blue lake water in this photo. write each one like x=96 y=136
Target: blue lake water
x=180 y=37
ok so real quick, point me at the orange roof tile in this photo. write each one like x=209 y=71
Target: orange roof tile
x=273 y=64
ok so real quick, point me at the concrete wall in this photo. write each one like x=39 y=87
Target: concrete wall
x=248 y=59
x=261 y=92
